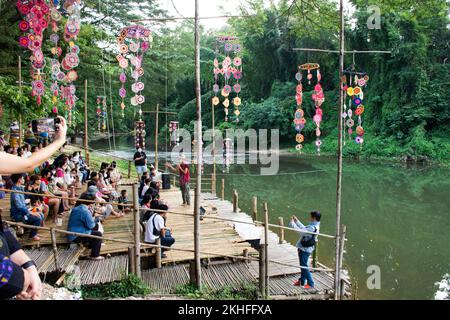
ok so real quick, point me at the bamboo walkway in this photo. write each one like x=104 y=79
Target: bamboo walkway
x=222 y=237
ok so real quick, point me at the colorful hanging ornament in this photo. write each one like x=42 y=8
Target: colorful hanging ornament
x=354 y=90
x=230 y=69
x=299 y=115
x=36 y=18
x=140 y=134
x=318 y=97
x=139 y=40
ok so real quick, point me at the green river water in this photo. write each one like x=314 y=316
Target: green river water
x=397 y=217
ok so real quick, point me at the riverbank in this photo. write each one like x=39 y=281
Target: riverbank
x=354 y=152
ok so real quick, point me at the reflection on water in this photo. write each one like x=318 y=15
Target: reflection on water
x=397 y=218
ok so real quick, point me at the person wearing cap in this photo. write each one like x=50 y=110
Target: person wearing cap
x=19 y=209
x=184 y=179
x=140 y=161
x=305 y=246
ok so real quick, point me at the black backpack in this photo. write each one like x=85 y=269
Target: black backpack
x=309 y=240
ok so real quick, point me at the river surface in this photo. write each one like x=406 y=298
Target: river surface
x=397 y=217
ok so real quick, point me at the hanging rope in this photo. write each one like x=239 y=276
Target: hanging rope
x=110 y=94
x=103 y=79
x=167 y=79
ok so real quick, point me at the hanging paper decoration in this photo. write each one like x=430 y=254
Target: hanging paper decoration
x=231 y=70
x=71 y=60
x=36 y=18
x=101 y=113
x=354 y=91
x=173 y=129
x=140 y=134
x=133 y=42
x=318 y=97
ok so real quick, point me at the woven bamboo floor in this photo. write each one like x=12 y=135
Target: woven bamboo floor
x=104 y=271
x=45 y=261
x=236 y=276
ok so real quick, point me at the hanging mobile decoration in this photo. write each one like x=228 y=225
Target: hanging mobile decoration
x=71 y=60
x=101 y=113
x=140 y=134
x=139 y=41
x=231 y=70
x=318 y=97
x=358 y=80
x=173 y=129
x=36 y=18
x=299 y=116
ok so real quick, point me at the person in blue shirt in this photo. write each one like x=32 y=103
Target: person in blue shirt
x=81 y=220
x=305 y=246
x=19 y=209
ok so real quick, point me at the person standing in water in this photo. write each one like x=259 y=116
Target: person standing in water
x=184 y=178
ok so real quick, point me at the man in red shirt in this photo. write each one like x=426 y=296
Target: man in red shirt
x=184 y=178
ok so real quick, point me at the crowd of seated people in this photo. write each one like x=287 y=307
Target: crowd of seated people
x=66 y=175
x=61 y=177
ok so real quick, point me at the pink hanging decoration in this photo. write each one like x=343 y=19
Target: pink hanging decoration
x=318 y=97
x=36 y=17
x=133 y=42
x=231 y=70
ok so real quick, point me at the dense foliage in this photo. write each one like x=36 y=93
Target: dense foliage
x=407 y=99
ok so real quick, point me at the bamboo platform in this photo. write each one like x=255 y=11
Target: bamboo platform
x=221 y=237
x=104 y=271
x=44 y=258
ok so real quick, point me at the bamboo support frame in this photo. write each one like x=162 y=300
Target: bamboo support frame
x=147 y=245
x=137 y=232
x=222 y=190
x=266 y=249
x=255 y=208
x=158 y=254
x=235 y=201
x=281 y=230
x=54 y=248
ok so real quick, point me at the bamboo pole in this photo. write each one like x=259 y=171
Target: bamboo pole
x=131 y=261
x=129 y=169
x=255 y=208
x=281 y=230
x=266 y=248
x=223 y=189
x=213 y=184
x=156 y=136
x=54 y=248
x=235 y=200
x=315 y=254
x=339 y=151
x=198 y=187
x=137 y=232
x=245 y=254
x=158 y=254
x=341 y=258
x=262 y=272
x=20 y=90
x=86 y=151
x=214 y=147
